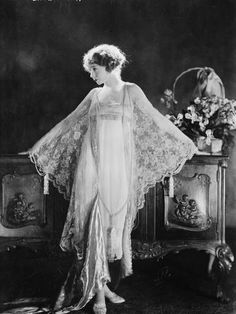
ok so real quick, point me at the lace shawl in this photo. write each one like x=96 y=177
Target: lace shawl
x=160 y=148
x=56 y=154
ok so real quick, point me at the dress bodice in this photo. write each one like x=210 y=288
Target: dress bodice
x=109 y=110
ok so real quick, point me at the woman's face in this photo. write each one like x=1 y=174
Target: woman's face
x=99 y=74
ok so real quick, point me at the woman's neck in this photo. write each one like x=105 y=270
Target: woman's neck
x=114 y=82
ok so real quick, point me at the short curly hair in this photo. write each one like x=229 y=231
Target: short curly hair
x=109 y=56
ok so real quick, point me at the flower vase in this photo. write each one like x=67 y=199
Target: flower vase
x=214 y=147
x=202 y=144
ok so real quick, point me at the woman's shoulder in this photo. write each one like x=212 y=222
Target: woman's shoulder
x=89 y=97
x=134 y=90
x=93 y=91
x=132 y=86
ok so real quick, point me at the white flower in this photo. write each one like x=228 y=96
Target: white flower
x=208 y=132
x=197 y=101
x=168 y=92
x=194 y=118
x=225 y=101
x=188 y=116
x=200 y=118
x=191 y=116
x=202 y=126
x=233 y=104
x=205 y=121
x=180 y=116
x=191 y=108
x=178 y=122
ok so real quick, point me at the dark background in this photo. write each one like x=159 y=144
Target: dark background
x=42 y=44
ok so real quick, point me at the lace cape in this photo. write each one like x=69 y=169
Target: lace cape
x=161 y=149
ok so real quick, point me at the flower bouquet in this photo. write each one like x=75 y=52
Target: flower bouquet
x=208 y=120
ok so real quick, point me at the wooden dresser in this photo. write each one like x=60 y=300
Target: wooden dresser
x=187 y=214
x=193 y=217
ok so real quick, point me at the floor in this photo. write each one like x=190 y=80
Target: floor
x=29 y=285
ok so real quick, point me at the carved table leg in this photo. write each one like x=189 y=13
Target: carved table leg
x=225 y=258
x=207 y=279
x=220 y=269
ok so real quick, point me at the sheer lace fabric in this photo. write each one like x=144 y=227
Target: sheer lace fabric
x=160 y=148
x=105 y=157
x=58 y=151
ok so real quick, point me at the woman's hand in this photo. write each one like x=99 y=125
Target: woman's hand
x=24 y=153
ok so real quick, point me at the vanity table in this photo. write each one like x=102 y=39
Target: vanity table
x=189 y=215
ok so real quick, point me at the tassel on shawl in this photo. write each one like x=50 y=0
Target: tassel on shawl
x=45 y=184
x=171 y=186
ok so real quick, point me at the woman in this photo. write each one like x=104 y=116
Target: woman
x=104 y=157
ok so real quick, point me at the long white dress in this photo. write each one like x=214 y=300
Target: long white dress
x=102 y=175
x=104 y=157
x=112 y=178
